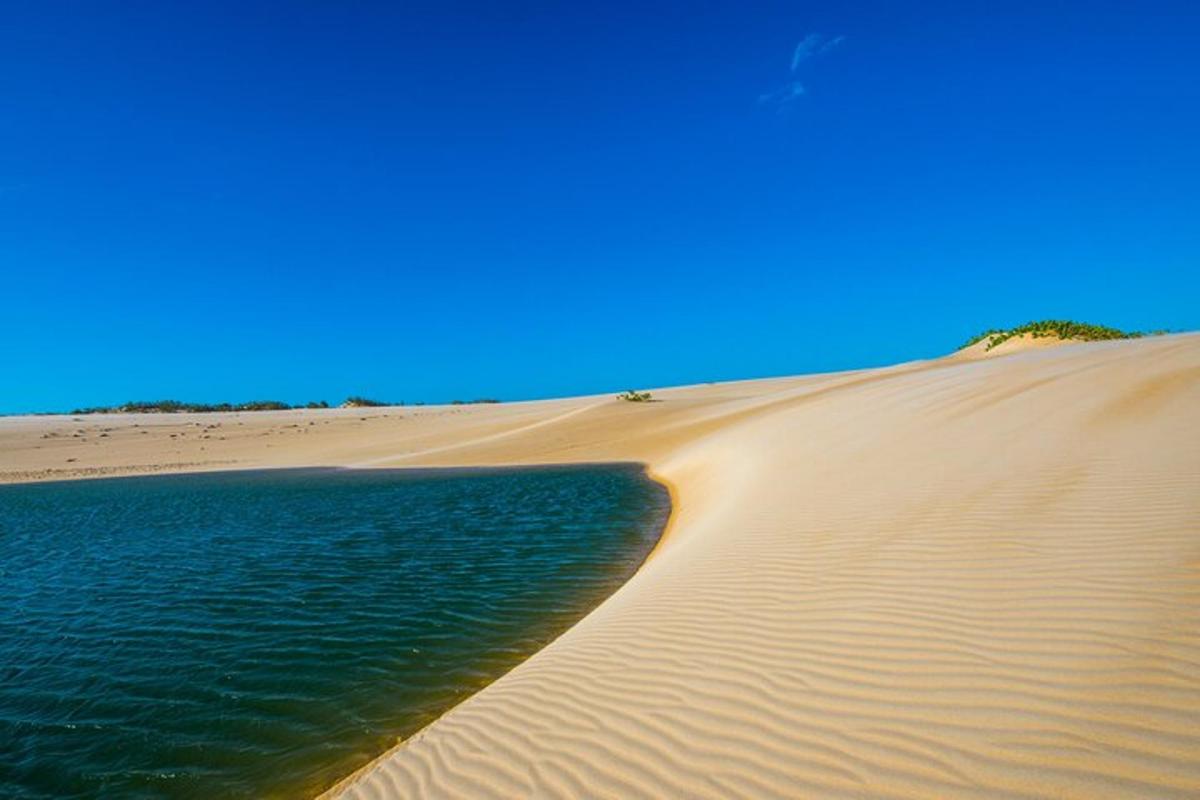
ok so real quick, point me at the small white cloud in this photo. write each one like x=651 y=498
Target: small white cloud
x=811 y=46
x=804 y=50
x=830 y=44
x=784 y=94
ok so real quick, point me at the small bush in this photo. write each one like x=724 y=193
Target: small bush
x=634 y=396
x=354 y=401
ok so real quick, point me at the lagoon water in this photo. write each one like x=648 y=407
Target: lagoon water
x=262 y=634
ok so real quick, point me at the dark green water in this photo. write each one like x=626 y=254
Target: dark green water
x=262 y=634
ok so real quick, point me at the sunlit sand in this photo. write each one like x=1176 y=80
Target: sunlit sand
x=965 y=577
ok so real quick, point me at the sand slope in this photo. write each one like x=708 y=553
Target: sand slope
x=944 y=579
x=1015 y=344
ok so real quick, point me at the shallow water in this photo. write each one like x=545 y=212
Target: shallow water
x=262 y=634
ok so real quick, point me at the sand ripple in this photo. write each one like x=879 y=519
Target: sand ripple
x=947 y=579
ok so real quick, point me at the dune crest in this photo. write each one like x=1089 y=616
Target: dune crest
x=952 y=581
x=954 y=578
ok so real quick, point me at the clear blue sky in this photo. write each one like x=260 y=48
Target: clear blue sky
x=416 y=201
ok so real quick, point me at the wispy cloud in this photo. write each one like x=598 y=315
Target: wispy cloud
x=811 y=46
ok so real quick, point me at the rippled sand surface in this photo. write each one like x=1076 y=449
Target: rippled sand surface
x=943 y=579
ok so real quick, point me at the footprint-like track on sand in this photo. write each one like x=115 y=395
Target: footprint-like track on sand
x=491 y=437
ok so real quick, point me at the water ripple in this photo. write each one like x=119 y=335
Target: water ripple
x=263 y=634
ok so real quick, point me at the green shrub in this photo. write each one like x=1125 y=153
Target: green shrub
x=634 y=396
x=354 y=401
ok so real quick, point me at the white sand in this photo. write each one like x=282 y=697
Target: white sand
x=956 y=578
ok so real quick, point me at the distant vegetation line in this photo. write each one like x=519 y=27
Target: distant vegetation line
x=1062 y=328
x=178 y=406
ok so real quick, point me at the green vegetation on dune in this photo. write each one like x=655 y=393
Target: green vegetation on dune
x=1060 y=328
x=633 y=396
x=181 y=407
x=980 y=336
x=178 y=406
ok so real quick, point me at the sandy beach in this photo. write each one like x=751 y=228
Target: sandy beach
x=976 y=576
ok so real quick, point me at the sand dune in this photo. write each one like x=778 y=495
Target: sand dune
x=954 y=578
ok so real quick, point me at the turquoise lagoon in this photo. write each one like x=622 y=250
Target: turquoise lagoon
x=263 y=634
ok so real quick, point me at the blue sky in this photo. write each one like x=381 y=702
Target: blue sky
x=435 y=201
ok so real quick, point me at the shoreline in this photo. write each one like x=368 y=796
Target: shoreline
x=952 y=578
x=672 y=515
x=343 y=784
x=529 y=552
x=663 y=530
